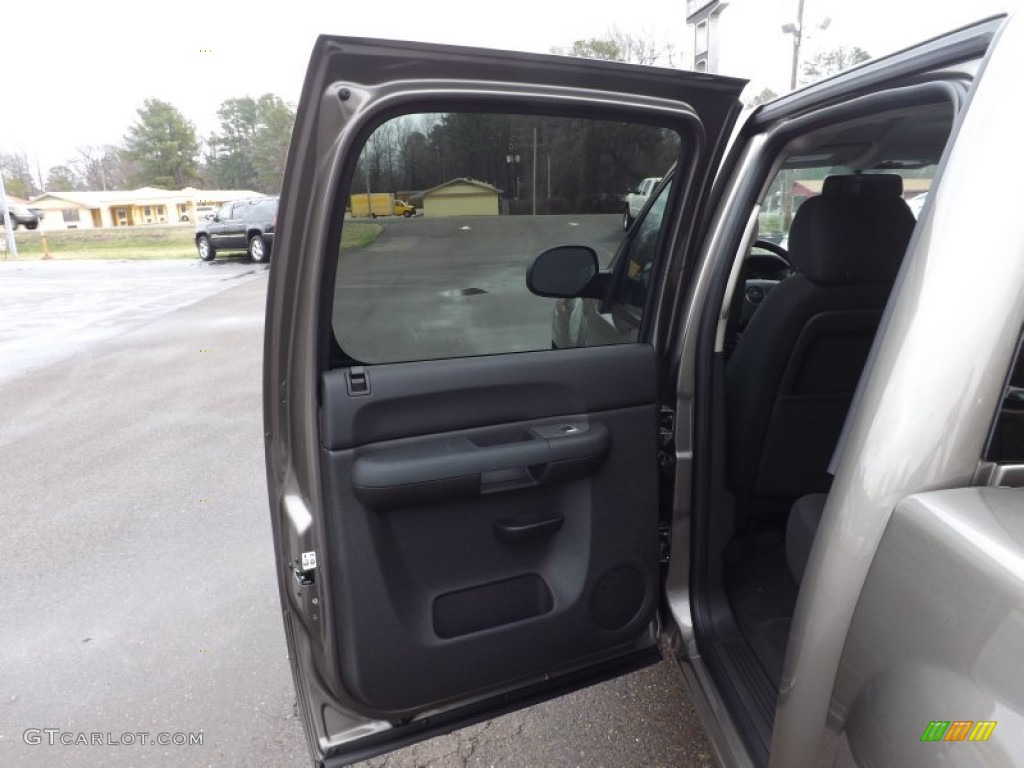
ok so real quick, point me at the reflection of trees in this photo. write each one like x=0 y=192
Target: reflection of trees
x=582 y=166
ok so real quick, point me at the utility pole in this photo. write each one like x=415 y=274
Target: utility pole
x=369 y=204
x=797 y=31
x=549 y=182
x=534 y=185
x=798 y=38
x=12 y=247
x=512 y=162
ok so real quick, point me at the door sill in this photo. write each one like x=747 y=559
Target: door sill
x=486 y=709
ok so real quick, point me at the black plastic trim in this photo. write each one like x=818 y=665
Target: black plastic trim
x=487 y=709
x=458 y=467
x=412 y=399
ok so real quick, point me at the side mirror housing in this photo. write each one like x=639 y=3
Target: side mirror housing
x=567 y=272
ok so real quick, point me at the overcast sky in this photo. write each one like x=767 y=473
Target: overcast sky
x=78 y=71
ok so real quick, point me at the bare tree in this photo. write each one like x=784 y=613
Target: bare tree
x=643 y=49
x=61 y=178
x=831 y=62
x=766 y=95
x=18 y=175
x=96 y=166
x=618 y=45
x=594 y=48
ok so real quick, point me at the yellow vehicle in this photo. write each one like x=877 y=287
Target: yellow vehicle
x=403 y=208
x=379 y=204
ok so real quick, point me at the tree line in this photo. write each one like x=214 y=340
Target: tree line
x=561 y=164
x=581 y=165
x=162 y=149
x=819 y=67
x=247 y=151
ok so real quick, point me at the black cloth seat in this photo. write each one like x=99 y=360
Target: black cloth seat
x=791 y=377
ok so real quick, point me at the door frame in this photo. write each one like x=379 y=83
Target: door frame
x=322 y=159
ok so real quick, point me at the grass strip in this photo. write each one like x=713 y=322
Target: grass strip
x=144 y=243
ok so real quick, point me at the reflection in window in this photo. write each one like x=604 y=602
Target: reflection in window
x=642 y=248
x=791 y=187
x=490 y=192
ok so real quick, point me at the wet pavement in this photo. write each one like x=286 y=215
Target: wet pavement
x=140 y=593
x=51 y=310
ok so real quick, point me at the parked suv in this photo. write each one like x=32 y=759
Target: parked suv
x=637 y=198
x=244 y=225
x=22 y=216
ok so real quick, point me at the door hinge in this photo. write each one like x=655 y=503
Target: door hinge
x=304 y=572
x=666 y=425
x=664 y=544
x=357 y=379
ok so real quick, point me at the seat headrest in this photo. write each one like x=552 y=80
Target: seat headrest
x=873 y=184
x=851 y=238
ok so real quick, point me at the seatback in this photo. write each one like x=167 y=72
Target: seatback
x=793 y=372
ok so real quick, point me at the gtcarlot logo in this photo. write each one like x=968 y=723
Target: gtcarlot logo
x=958 y=730
x=56 y=737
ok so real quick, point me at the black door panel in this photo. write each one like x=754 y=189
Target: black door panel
x=535 y=548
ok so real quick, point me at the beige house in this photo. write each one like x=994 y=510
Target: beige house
x=128 y=208
x=810 y=187
x=461 y=197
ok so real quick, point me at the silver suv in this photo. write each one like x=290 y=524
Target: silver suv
x=22 y=216
x=795 y=470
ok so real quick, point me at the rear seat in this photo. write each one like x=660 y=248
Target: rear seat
x=888 y=237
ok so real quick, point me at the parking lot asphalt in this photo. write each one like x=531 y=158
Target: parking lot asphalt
x=140 y=587
x=432 y=288
x=140 y=592
x=54 y=309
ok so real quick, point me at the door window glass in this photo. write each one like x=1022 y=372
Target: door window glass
x=640 y=250
x=791 y=187
x=490 y=192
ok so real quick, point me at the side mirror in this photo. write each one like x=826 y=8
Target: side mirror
x=566 y=272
